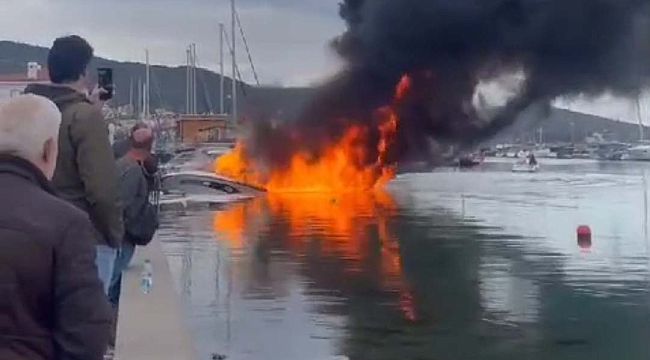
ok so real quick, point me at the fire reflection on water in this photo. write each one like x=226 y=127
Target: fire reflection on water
x=354 y=228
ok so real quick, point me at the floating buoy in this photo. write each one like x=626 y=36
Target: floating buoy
x=584 y=236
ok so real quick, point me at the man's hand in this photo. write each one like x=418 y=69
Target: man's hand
x=95 y=95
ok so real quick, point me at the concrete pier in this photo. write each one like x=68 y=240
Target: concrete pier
x=152 y=326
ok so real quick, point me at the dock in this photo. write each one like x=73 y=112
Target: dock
x=152 y=326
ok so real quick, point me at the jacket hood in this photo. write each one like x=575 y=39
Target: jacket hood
x=60 y=95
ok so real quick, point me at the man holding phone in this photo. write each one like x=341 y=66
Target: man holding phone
x=86 y=173
x=105 y=83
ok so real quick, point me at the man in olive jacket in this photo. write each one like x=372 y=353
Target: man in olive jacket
x=52 y=305
x=86 y=174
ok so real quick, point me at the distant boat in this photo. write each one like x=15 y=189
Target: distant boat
x=583 y=154
x=199 y=159
x=527 y=165
x=612 y=151
x=470 y=161
x=544 y=153
x=525 y=168
x=639 y=153
x=564 y=152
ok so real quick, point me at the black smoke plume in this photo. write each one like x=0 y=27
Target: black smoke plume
x=448 y=47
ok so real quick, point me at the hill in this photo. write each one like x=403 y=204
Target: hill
x=560 y=125
x=168 y=84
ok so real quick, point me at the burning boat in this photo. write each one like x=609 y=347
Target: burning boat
x=358 y=160
x=201 y=186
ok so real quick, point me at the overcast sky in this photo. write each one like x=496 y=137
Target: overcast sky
x=288 y=38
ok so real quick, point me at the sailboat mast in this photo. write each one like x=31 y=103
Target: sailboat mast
x=131 y=106
x=187 y=81
x=639 y=116
x=234 y=63
x=147 y=92
x=221 y=72
x=139 y=103
x=194 y=87
x=143 y=105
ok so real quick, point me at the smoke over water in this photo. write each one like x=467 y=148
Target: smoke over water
x=448 y=48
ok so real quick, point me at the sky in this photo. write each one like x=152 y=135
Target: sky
x=288 y=38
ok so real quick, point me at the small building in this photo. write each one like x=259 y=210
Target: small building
x=198 y=129
x=14 y=84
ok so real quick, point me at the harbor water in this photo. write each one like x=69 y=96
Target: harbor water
x=449 y=265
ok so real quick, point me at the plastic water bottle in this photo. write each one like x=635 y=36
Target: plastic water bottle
x=146 y=281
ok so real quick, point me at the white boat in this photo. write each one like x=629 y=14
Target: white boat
x=639 y=153
x=203 y=184
x=525 y=168
x=544 y=153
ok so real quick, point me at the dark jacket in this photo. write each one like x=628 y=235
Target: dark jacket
x=85 y=173
x=134 y=190
x=52 y=304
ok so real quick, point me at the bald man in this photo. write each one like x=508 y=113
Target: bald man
x=140 y=216
x=52 y=303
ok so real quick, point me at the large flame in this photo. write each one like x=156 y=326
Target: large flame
x=322 y=198
x=346 y=164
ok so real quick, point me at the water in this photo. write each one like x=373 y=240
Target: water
x=447 y=265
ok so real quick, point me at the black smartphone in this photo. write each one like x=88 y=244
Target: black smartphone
x=105 y=81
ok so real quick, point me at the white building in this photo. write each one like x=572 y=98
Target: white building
x=14 y=84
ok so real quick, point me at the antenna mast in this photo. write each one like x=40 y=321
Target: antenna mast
x=234 y=63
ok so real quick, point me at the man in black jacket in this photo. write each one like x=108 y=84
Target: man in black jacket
x=52 y=306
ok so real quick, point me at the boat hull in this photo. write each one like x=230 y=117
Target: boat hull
x=199 y=183
x=639 y=153
x=525 y=168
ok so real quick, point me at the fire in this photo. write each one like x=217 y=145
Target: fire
x=403 y=87
x=345 y=165
x=318 y=206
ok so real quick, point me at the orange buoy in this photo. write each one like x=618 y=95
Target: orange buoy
x=584 y=236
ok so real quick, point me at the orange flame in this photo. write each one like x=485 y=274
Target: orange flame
x=343 y=166
x=403 y=87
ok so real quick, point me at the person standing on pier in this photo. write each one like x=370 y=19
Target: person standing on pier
x=52 y=305
x=136 y=168
x=86 y=174
x=122 y=146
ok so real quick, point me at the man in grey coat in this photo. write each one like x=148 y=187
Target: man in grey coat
x=134 y=191
x=85 y=175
